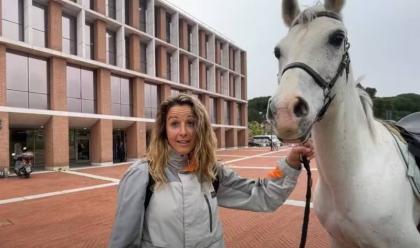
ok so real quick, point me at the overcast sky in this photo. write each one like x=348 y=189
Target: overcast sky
x=384 y=37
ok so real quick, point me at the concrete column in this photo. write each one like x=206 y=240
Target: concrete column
x=220 y=135
x=164 y=91
x=161 y=23
x=231 y=85
x=244 y=114
x=3 y=83
x=99 y=6
x=134 y=13
x=161 y=59
x=138 y=97
x=244 y=87
x=134 y=52
x=233 y=106
x=5 y=139
x=58 y=84
x=220 y=112
x=184 y=75
x=203 y=75
x=99 y=37
x=103 y=89
x=136 y=141
x=54 y=34
x=56 y=143
x=183 y=34
x=101 y=142
x=205 y=100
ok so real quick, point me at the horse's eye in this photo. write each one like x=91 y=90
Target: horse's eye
x=336 y=38
x=277 y=52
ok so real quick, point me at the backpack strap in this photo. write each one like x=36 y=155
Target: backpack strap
x=149 y=191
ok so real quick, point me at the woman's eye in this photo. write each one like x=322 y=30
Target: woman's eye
x=191 y=123
x=174 y=124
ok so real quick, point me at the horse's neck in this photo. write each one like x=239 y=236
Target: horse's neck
x=344 y=135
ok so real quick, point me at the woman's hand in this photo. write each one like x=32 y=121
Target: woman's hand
x=306 y=149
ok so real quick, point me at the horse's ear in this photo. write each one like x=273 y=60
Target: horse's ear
x=290 y=11
x=334 y=5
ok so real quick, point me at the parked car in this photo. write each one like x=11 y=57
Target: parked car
x=265 y=140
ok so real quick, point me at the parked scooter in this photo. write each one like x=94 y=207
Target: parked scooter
x=23 y=163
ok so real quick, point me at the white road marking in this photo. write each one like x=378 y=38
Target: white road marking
x=93 y=176
x=56 y=193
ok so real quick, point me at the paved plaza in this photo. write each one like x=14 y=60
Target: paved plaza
x=76 y=208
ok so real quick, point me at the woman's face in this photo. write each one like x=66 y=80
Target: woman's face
x=181 y=129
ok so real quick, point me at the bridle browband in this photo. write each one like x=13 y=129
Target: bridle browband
x=320 y=81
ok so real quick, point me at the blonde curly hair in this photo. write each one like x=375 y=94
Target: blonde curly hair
x=204 y=152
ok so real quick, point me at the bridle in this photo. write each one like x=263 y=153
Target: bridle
x=319 y=80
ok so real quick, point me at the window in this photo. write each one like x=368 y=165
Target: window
x=69 y=33
x=168 y=27
x=12 y=19
x=143 y=57
x=143 y=14
x=224 y=84
x=190 y=73
x=111 y=47
x=190 y=38
x=210 y=83
x=168 y=66
x=206 y=51
x=111 y=9
x=238 y=87
x=174 y=92
x=150 y=100
x=39 y=20
x=239 y=116
x=213 y=108
x=127 y=52
x=27 y=81
x=81 y=95
x=89 y=41
x=227 y=113
x=127 y=11
x=121 y=96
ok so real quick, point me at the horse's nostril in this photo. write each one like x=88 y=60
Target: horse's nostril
x=301 y=108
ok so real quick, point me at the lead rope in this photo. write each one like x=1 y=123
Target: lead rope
x=304 y=160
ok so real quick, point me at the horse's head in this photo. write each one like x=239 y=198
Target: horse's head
x=312 y=57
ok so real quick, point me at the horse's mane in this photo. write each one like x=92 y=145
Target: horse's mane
x=309 y=14
x=366 y=102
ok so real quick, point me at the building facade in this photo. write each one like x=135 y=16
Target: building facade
x=81 y=80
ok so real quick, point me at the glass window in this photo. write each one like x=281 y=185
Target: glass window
x=168 y=27
x=121 y=96
x=238 y=87
x=127 y=52
x=168 y=66
x=16 y=72
x=213 y=109
x=227 y=112
x=150 y=100
x=127 y=11
x=27 y=81
x=80 y=90
x=111 y=47
x=88 y=4
x=12 y=19
x=38 y=18
x=38 y=75
x=111 y=9
x=143 y=57
x=88 y=41
x=143 y=13
x=69 y=33
x=239 y=116
x=174 y=92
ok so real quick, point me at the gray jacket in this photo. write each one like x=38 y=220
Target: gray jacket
x=183 y=212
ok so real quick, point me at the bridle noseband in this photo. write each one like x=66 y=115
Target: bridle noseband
x=320 y=81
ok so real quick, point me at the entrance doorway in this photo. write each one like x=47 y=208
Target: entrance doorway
x=79 y=147
x=119 y=146
x=33 y=140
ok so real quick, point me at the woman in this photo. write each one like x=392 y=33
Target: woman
x=181 y=160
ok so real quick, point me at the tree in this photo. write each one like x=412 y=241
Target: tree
x=255 y=128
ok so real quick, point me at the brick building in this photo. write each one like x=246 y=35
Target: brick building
x=81 y=80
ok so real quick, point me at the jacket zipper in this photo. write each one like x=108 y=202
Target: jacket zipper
x=210 y=215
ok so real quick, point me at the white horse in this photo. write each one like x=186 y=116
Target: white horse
x=363 y=197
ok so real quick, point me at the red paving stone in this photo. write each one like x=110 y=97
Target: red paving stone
x=84 y=219
x=43 y=183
